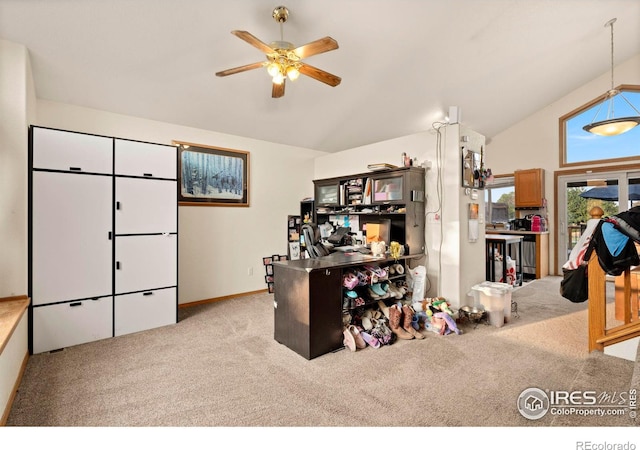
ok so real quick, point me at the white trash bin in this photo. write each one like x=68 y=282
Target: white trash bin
x=495 y=298
x=507 y=290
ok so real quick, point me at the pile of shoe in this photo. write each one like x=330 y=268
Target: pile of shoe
x=435 y=314
x=401 y=320
x=356 y=338
x=373 y=321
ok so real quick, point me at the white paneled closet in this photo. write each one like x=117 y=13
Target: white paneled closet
x=103 y=237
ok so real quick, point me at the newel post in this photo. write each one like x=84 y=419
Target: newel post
x=597 y=294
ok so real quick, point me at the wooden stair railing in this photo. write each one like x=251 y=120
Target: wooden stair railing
x=599 y=335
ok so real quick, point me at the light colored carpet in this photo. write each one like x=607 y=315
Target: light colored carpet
x=220 y=367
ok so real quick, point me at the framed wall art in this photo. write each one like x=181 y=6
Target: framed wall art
x=212 y=176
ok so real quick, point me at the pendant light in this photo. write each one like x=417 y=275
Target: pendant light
x=612 y=126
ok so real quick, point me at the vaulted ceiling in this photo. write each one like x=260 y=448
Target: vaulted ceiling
x=403 y=63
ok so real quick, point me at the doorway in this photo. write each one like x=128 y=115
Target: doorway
x=613 y=191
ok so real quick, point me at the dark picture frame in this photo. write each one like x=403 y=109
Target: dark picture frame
x=270 y=288
x=212 y=176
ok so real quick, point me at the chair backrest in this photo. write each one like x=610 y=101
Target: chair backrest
x=312 y=241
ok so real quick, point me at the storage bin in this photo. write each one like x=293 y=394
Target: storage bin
x=507 y=291
x=495 y=298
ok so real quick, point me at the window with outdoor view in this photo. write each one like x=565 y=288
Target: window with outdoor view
x=578 y=146
x=499 y=198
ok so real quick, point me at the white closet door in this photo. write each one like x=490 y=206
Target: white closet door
x=64 y=150
x=66 y=324
x=144 y=310
x=71 y=249
x=146 y=262
x=145 y=160
x=146 y=206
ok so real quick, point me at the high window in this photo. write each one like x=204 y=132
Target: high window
x=579 y=147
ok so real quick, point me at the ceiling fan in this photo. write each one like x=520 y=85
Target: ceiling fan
x=284 y=60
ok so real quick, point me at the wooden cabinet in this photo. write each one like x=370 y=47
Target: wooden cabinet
x=395 y=195
x=103 y=237
x=529 y=188
x=308 y=308
x=327 y=193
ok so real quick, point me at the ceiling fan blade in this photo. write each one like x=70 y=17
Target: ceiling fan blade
x=313 y=48
x=251 y=39
x=278 y=90
x=244 y=68
x=320 y=75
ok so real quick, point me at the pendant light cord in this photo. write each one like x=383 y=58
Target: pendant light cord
x=610 y=23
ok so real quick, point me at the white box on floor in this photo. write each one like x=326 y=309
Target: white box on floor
x=495 y=298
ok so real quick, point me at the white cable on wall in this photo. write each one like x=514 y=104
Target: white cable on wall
x=439 y=195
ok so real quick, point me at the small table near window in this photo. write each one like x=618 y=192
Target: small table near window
x=505 y=245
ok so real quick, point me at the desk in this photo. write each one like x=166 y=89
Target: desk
x=308 y=298
x=503 y=243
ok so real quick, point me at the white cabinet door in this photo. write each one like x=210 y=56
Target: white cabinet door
x=65 y=150
x=145 y=160
x=146 y=262
x=146 y=206
x=66 y=324
x=144 y=310
x=71 y=249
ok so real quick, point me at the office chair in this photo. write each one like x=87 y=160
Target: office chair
x=312 y=241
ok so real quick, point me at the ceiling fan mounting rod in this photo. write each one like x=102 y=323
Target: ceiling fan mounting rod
x=281 y=14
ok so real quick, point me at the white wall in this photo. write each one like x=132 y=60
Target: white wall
x=467 y=268
x=16 y=108
x=462 y=262
x=217 y=245
x=535 y=141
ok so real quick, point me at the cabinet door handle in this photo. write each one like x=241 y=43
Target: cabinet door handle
x=147 y=293
x=75 y=304
x=117 y=205
x=109 y=235
x=75 y=168
x=117 y=265
x=148 y=174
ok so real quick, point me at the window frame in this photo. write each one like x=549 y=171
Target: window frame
x=500 y=181
x=563 y=135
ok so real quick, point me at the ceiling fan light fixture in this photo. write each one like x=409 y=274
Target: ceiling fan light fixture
x=278 y=78
x=293 y=73
x=612 y=126
x=284 y=59
x=273 y=69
